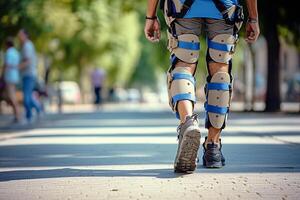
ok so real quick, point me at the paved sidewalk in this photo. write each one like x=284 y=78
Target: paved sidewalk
x=128 y=154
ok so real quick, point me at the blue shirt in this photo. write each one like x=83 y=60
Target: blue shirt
x=12 y=61
x=28 y=53
x=207 y=9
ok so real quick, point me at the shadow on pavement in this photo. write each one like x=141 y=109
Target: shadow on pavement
x=71 y=158
x=71 y=172
x=95 y=120
x=248 y=158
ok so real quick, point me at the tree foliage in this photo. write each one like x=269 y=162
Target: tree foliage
x=79 y=33
x=278 y=18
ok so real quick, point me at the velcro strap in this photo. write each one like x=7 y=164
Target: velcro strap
x=189 y=45
x=218 y=86
x=216 y=109
x=177 y=115
x=186 y=96
x=220 y=46
x=173 y=59
x=189 y=77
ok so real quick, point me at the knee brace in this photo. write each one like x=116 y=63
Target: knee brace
x=218 y=95
x=184 y=47
x=181 y=86
x=221 y=48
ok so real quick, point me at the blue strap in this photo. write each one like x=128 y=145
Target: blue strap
x=189 y=77
x=179 y=97
x=219 y=46
x=189 y=45
x=218 y=86
x=183 y=96
x=177 y=115
x=172 y=59
x=216 y=109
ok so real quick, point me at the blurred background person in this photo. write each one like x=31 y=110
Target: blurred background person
x=11 y=76
x=28 y=67
x=97 y=79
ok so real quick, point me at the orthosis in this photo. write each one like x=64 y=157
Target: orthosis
x=185 y=47
x=219 y=86
x=181 y=82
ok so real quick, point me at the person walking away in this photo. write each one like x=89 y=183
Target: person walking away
x=11 y=76
x=97 y=78
x=28 y=68
x=221 y=21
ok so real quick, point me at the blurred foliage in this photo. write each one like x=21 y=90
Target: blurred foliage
x=277 y=19
x=78 y=34
x=285 y=16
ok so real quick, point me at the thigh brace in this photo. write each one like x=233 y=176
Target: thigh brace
x=221 y=48
x=185 y=47
x=218 y=95
x=181 y=86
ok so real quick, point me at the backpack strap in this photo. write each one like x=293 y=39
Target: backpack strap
x=161 y=4
x=185 y=8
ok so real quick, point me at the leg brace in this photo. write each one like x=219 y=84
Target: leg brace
x=181 y=83
x=219 y=86
x=181 y=86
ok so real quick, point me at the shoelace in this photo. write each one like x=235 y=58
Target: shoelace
x=178 y=131
x=195 y=117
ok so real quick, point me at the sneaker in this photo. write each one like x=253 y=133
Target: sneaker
x=16 y=122
x=212 y=156
x=30 y=121
x=40 y=116
x=188 y=145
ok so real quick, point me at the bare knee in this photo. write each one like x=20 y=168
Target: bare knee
x=191 y=67
x=215 y=67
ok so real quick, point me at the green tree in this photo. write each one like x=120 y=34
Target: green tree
x=84 y=33
x=275 y=15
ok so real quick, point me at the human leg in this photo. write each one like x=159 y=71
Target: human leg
x=28 y=100
x=221 y=44
x=96 y=93
x=100 y=95
x=27 y=97
x=185 y=107
x=34 y=102
x=11 y=92
x=184 y=47
x=213 y=131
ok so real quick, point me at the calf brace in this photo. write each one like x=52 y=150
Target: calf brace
x=218 y=95
x=181 y=86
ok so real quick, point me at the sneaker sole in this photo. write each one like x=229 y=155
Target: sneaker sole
x=213 y=165
x=187 y=155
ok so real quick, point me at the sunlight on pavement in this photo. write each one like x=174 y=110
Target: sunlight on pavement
x=131 y=140
x=108 y=158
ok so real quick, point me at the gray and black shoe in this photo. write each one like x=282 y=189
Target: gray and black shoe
x=212 y=156
x=188 y=145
